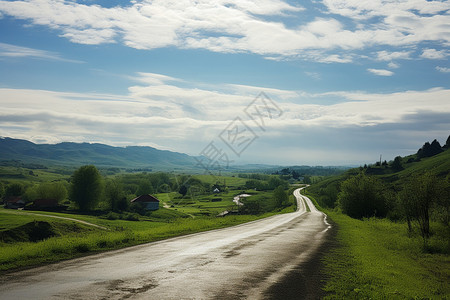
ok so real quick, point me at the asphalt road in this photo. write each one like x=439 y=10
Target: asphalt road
x=241 y=262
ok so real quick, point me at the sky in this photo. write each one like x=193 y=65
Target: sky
x=330 y=82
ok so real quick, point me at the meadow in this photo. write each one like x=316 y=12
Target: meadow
x=378 y=259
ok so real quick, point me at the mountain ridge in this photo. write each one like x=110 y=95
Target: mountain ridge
x=71 y=153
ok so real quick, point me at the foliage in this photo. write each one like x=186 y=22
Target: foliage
x=418 y=197
x=397 y=163
x=429 y=150
x=115 y=196
x=362 y=196
x=280 y=196
x=86 y=187
x=2 y=190
x=47 y=190
x=14 y=190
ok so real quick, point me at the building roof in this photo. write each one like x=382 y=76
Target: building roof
x=45 y=202
x=145 y=198
x=14 y=199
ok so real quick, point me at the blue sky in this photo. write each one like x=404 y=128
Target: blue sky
x=348 y=80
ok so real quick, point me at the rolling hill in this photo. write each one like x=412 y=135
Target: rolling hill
x=98 y=154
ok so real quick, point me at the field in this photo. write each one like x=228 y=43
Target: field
x=79 y=240
x=378 y=259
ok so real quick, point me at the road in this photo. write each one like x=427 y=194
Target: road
x=243 y=262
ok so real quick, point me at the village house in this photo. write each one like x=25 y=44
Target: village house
x=14 y=202
x=149 y=202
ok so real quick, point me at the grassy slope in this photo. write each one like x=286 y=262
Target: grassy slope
x=376 y=259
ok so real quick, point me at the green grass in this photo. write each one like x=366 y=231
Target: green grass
x=162 y=224
x=376 y=259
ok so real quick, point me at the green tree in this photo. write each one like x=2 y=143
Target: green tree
x=362 y=196
x=14 y=190
x=145 y=187
x=86 y=187
x=2 y=190
x=419 y=196
x=115 y=196
x=397 y=163
x=280 y=196
x=52 y=190
x=183 y=190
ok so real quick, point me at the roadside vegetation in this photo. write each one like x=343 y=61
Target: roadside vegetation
x=393 y=239
x=93 y=212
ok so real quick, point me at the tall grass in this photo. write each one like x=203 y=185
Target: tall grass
x=377 y=259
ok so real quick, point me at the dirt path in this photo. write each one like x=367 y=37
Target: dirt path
x=56 y=217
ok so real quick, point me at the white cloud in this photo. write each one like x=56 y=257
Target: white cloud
x=443 y=69
x=244 y=26
x=381 y=72
x=13 y=51
x=389 y=56
x=434 y=54
x=175 y=113
x=393 y=65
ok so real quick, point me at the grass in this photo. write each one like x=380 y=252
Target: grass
x=163 y=224
x=376 y=259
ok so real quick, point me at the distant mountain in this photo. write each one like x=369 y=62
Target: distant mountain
x=97 y=154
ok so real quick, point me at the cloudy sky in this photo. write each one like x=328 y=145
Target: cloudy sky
x=332 y=82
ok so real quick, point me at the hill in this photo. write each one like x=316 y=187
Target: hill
x=98 y=154
x=326 y=191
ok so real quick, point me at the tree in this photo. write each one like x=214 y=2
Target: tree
x=115 y=196
x=447 y=144
x=362 y=196
x=397 y=163
x=429 y=150
x=418 y=197
x=14 y=190
x=47 y=190
x=86 y=187
x=2 y=190
x=183 y=190
x=280 y=196
x=145 y=187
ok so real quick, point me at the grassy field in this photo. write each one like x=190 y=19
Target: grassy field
x=376 y=259
x=73 y=239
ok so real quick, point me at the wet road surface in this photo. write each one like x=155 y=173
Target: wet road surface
x=241 y=262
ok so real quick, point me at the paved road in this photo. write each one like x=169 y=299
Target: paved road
x=241 y=262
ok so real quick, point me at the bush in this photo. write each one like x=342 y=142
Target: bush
x=362 y=196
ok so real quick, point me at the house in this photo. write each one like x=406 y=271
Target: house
x=45 y=203
x=149 y=202
x=216 y=190
x=14 y=202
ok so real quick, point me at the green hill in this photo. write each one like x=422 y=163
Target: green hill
x=326 y=191
x=98 y=154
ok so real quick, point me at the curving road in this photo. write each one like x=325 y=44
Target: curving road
x=243 y=262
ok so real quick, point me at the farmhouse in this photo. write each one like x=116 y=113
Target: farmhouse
x=149 y=202
x=45 y=203
x=14 y=202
